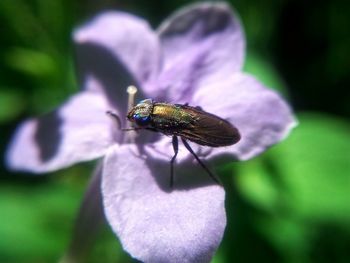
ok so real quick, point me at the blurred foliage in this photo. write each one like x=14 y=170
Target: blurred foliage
x=301 y=189
x=35 y=218
x=288 y=205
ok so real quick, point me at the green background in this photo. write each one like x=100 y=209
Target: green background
x=291 y=204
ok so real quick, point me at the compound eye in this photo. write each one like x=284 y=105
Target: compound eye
x=141 y=120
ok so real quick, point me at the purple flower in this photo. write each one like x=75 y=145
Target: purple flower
x=194 y=57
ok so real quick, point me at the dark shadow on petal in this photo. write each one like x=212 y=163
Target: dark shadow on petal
x=187 y=175
x=147 y=136
x=215 y=20
x=47 y=135
x=100 y=63
x=211 y=18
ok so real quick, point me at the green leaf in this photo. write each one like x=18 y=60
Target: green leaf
x=11 y=103
x=308 y=173
x=256 y=184
x=314 y=164
x=31 y=62
x=300 y=186
x=36 y=220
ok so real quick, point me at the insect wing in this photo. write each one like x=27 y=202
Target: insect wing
x=209 y=129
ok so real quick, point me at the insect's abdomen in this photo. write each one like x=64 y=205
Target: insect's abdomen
x=210 y=130
x=194 y=124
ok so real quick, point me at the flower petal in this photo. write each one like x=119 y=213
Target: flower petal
x=118 y=50
x=201 y=39
x=154 y=223
x=78 y=131
x=260 y=114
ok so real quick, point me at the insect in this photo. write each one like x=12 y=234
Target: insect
x=184 y=121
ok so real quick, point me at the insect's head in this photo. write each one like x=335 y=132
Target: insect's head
x=141 y=113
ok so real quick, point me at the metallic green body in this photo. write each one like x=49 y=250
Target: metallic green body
x=165 y=116
x=191 y=123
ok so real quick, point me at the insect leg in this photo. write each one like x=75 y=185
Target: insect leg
x=188 y=147
x=117 y=119
x=176 y=150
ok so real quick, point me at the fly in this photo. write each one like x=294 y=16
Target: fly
x=184 y=121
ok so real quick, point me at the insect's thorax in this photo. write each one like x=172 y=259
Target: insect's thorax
x=170 y=116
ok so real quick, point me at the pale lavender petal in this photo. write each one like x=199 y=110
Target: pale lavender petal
x=78 y=131
x=261 y=115
x=201 y=39
x=155 y=223
x=118 y=50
